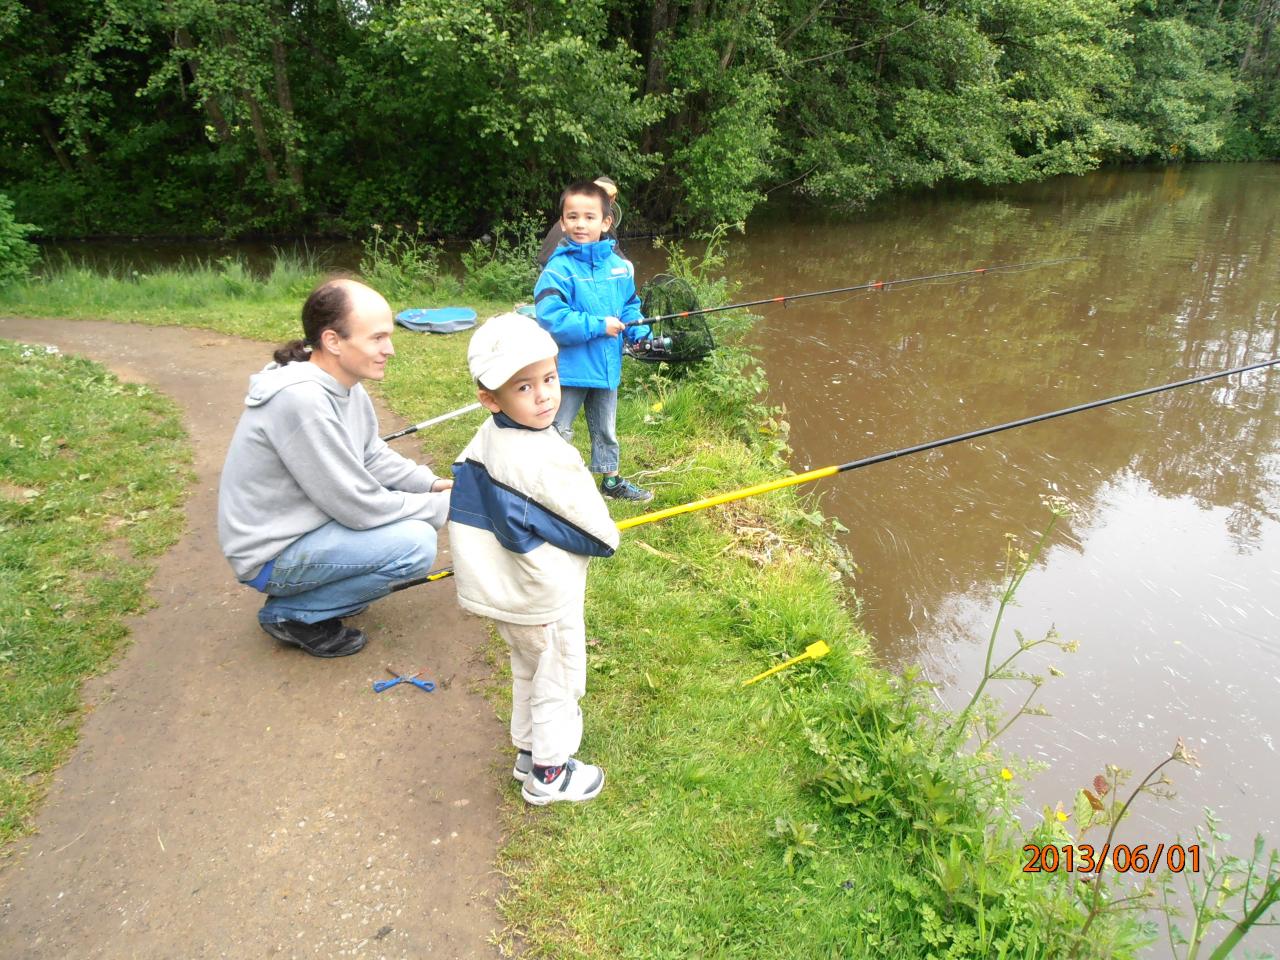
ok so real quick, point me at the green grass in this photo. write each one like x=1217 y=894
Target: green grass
x=221 y=295
x=810 y=815
x=94 y=472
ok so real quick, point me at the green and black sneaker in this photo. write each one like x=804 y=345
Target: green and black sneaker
x=621 y=489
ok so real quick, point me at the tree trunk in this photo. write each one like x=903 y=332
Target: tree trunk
x=728 y=55
x=51 y=138
x=284 y=97
x=808 y=19
x=1263 y=22
x=655 y=78
x=655 y=70
x=182 y=41
x=260 y=138
x=733 y=15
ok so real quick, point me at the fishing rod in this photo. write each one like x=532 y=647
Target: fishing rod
x=822 y=472
x=685 y=343
x=678 y=332
x=432 y=422
x=872 y=285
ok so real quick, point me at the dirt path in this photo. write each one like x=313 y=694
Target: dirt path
x=231 y=797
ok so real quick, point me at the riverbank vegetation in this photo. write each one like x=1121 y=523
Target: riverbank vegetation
x=213 y=118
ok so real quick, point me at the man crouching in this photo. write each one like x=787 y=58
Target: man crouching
x=314 y=510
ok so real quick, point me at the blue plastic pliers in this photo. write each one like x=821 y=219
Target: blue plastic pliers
x=416 y=680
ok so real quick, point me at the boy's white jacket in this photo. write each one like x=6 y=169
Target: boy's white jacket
x=524 y=518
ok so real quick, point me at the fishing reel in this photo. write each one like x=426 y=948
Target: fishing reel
x=677 y=331
x=651 y=348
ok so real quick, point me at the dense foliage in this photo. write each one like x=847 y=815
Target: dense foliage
x=222 y=117
x=16 y=252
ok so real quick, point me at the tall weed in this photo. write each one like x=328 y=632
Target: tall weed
x=943 y=820
x=72 y=286
x=404 y=265
x=505 y=266
x=730 y=383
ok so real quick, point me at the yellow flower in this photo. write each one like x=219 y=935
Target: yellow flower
x=1006 y=773
x=657 y=407
x=1061 y=815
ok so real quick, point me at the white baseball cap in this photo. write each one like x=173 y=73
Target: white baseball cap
x=504 y=345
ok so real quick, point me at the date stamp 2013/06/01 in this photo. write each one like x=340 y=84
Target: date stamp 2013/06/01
x=1122 y=858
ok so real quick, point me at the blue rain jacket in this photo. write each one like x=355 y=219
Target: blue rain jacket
x=582 y=284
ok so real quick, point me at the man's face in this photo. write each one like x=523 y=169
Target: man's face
x=364 y=353
x=531 y=397
x=583 y=219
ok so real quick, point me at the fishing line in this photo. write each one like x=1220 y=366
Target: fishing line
x=678 y=329
x=678 y=334
x=822 y=472
x=872 y=285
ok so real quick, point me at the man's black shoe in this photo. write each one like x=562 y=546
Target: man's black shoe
x=328 y=638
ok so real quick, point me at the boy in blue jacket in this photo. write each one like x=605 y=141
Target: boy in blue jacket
x=585 y=298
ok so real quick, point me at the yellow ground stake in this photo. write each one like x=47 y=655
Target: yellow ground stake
x=812 y=652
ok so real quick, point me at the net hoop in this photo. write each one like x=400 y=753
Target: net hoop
x=678 y=338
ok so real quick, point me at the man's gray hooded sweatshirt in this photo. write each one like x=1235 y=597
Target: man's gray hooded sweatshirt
x=307 y=451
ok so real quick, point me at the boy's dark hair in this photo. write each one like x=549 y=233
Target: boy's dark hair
x=327 y=308
x=586 y=188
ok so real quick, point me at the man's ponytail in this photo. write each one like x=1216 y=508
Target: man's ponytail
x=326 y=309
x=295 y=351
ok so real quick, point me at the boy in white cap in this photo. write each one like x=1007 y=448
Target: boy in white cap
x=524 y=518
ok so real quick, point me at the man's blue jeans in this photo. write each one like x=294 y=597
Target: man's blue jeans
x=602 y=415
x=333 y=571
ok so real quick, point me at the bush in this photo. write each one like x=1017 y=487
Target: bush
x=404 y=265
x=17 y=254
x=506 y=267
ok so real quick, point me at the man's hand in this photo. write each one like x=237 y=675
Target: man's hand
x=441 y=485
x=613 y=326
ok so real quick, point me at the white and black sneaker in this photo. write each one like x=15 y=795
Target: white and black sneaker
x=572 y=781
x=523 y=766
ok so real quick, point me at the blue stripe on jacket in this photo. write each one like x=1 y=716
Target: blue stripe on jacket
x=582 y=284
x=519 y=522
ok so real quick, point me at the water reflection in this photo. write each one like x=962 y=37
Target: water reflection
x=1169 y=575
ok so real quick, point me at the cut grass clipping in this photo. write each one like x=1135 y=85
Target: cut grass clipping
x=93 y=477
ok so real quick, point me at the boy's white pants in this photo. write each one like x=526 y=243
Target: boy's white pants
x=548 y=678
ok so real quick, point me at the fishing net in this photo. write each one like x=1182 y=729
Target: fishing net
x=674 y=336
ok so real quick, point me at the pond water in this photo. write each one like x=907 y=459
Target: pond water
x=1169 y=576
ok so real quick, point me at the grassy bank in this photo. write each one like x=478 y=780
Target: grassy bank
x=94 y=475
x=222 y=295
x=816 y=814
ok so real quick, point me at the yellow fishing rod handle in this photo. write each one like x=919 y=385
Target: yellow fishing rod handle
x=673 y=512
x=729 y=497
